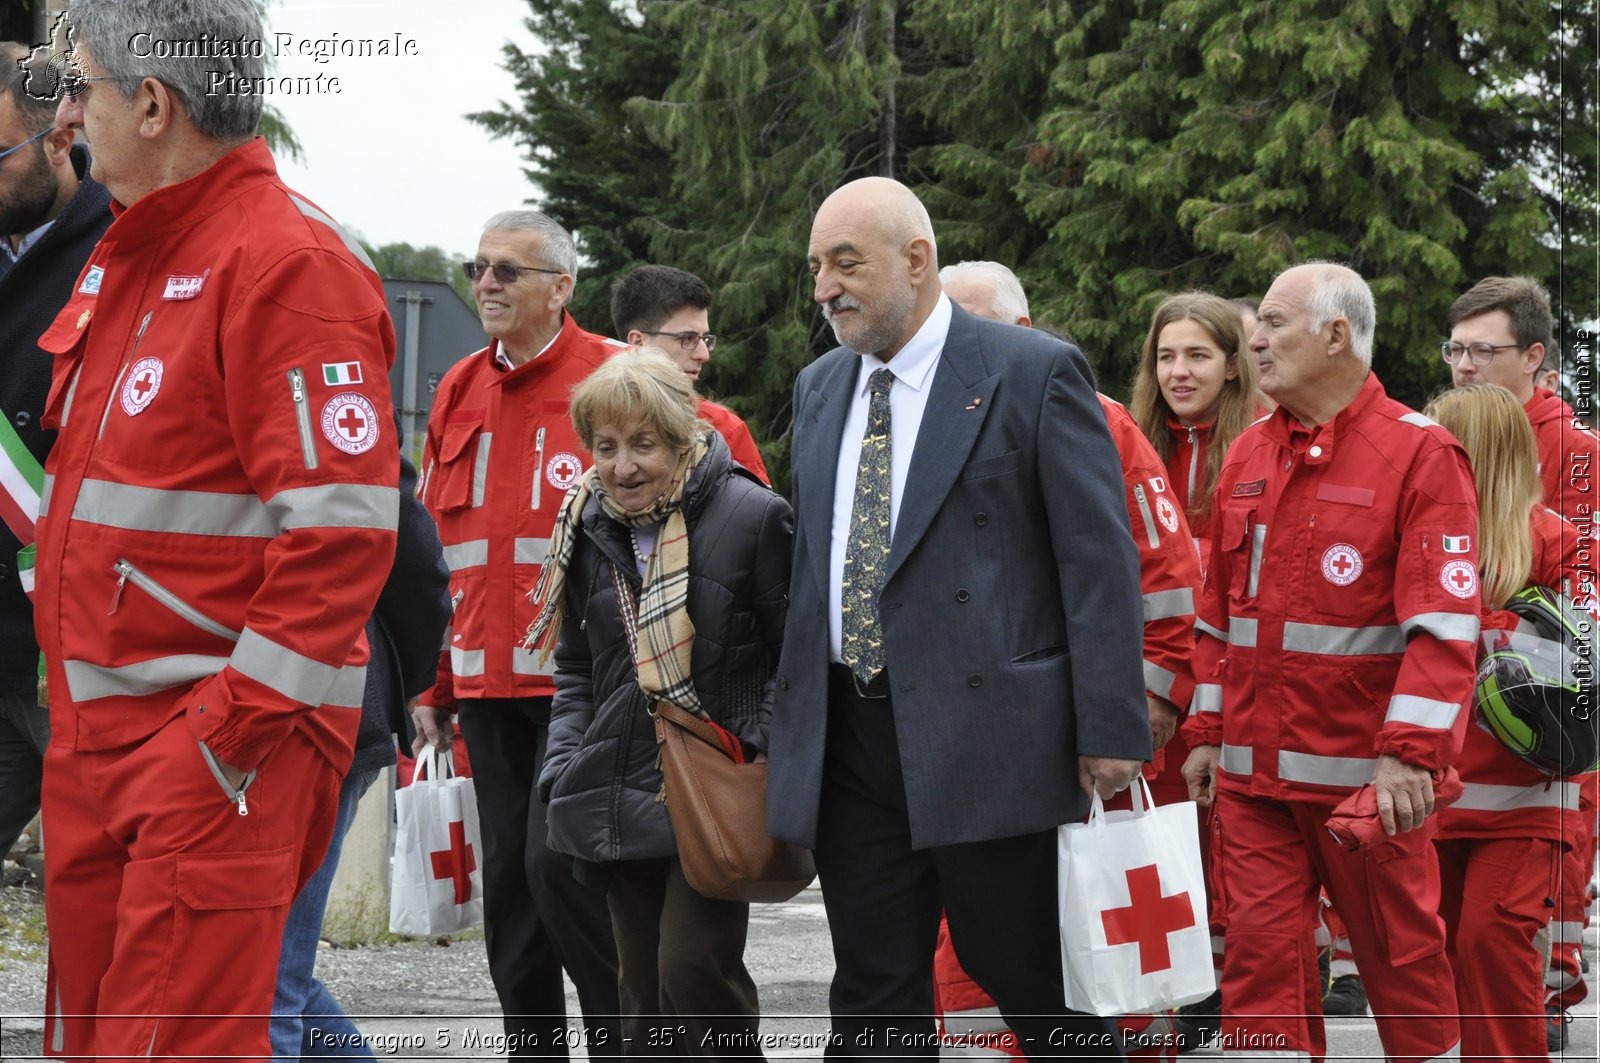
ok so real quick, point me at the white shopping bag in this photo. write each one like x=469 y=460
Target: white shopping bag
x=436 y=875
x=1132 y=899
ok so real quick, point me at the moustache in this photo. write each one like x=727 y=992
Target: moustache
x=838 y=303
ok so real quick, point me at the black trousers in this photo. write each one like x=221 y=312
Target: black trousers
x=682 y=959
x=537 y=918
x=883 y=900
x=24 y=732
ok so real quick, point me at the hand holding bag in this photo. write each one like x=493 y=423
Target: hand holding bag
x=1132 y=899
x=436 y=875
x=718 y=806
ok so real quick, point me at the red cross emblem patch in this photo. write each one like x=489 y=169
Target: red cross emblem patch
x=1148 y=919
x=139 y=387
x=1167 y=514
x=562 y=470
x=350 y=422
x=1459 y=578
x=1341 y=564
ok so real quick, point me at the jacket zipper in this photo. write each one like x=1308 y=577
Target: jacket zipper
x=125 y=572
x=1149 y=521
x=1194 y=463
x=538 y=466
x=117 y=387
x=302 y=416
x=235 y=794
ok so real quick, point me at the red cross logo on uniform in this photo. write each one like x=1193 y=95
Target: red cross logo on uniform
x=1459 y=578
x=1148 y=919
x=456 y=863
x=563 y=470
x=141 y=384
x=351 y=422
x=146 y=381
x=1341 y=564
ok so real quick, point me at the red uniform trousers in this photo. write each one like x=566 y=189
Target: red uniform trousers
x=1492 y=894
x=166 y=906
x=1276 y=853
x=1573 y=900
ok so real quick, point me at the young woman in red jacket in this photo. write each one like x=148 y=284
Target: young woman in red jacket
x=1500 y=844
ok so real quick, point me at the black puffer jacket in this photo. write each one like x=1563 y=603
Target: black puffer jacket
x=600 y=777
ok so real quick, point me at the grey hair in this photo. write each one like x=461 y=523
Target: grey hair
x=559 y=250
x=36 y=114
x=177 y=42
x=1010 y=301
x=1338 y=291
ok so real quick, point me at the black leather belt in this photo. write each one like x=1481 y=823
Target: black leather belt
x=873 y=691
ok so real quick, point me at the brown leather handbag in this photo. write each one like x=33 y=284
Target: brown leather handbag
x=718 y=808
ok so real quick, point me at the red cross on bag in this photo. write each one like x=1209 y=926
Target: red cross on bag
x=1132 y=902
x=436 y=880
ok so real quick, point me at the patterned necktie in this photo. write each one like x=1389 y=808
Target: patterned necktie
x=866 y=552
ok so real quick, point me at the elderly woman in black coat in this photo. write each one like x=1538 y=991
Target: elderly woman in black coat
x=667 y=543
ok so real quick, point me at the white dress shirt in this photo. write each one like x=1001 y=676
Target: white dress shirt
x=913 y=367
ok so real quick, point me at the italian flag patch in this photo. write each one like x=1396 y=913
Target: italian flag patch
x=335 y=374
x=1457 y=544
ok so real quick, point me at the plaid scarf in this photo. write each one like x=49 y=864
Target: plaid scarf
x=660 y=633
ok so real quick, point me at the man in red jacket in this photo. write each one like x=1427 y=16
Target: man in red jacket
x=218 y=520
x=670 y=308
x=499 y=457
x=1337 y=629
x=1501 y=333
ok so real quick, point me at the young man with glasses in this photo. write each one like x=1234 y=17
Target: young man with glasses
x=1501 y=333
x=499 y=457
x=669 y=308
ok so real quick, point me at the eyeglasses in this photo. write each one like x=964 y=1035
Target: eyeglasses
x=688 y=341
x=1482 y=353
x=504 y=272
x=74 y=83
x=25 y=143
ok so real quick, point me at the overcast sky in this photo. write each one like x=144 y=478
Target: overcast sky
x=390 y=155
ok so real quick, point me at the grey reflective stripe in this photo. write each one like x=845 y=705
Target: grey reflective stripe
x=1206 y=629
x=1342 y=641
x=1258 y=544
x=149 y=509
x=974 y=1021
x=1454 y=1051
x=58 y=1035
x=1450 y=627
x=465 y=662
x=72 y=391
x=1566 y=933
x=1420 y=420
x=350 y=245
x=87 y=681
x=526 y=662
x=44 y=495
x=1486 y=797
x=1325 y=771
x=467 y=555
x=296 y=676
x=336 y=506
x=1238 y=760
x=1422 y=712
x=1158 y=681
x=1242 y=631
x=1207 y=698
x=480 y=468
x=531 y=551
x=1163 y=605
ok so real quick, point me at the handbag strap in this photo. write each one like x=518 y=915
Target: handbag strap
x=701 y=728
x=433 y=766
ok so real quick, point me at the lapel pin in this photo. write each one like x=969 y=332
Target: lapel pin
x=975 y=403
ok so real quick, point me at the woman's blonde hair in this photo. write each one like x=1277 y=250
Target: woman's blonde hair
x=1241 y=397
x=637 y=383
x=1490 y=423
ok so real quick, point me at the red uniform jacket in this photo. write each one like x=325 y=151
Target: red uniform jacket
x=1505 y=797
x=737 y=435
x=1339 y=618
x=219 y=518
x=498 y=459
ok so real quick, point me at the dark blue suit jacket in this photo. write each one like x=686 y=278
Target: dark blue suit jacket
x=1012 y=617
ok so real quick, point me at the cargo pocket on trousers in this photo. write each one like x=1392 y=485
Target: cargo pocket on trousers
x=1399 y=871
x=217 y=881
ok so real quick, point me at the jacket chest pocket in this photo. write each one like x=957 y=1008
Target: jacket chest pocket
x=1243 y=540
x=64 y=340
x=461 y=478
x=1350 y=565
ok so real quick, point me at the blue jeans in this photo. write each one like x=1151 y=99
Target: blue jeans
x=302 y=1003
